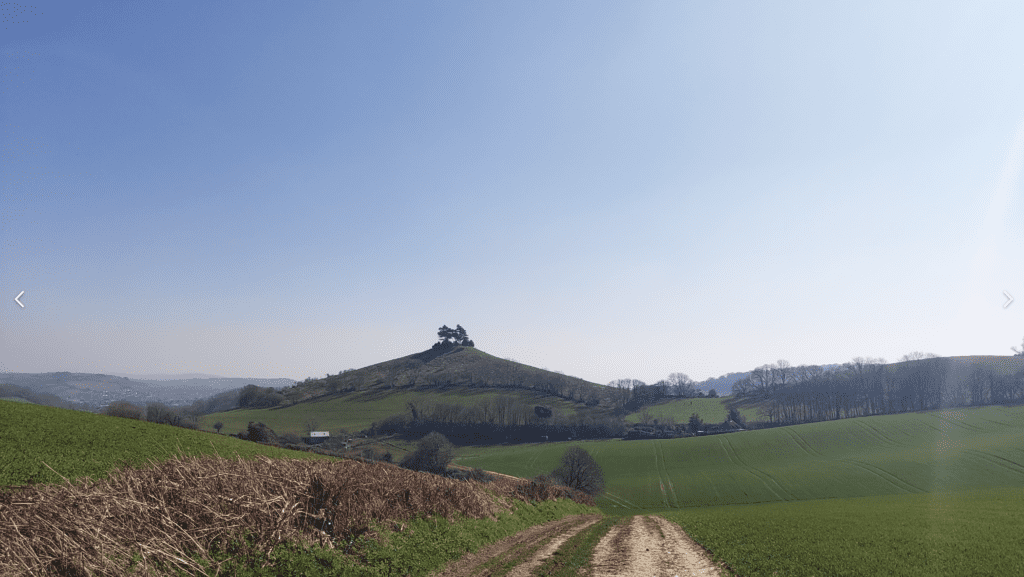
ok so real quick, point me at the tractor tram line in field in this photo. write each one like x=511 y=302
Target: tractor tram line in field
x=996 y=460
x=767 y=480
x=673 y=499
x=885 y=476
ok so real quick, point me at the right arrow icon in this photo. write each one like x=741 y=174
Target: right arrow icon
x=1009 y=299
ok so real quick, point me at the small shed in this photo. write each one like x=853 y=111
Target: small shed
x=317 y=437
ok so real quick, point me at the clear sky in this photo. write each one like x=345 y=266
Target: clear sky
x=613 y=190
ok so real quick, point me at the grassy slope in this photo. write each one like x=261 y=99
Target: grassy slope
x=933 y=451
x=79 y=444
x=461 y=366
x=710 y=410
x=355 y=411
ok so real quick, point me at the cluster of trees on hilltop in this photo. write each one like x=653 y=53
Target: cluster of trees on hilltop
x=632 y=394
x=447 y=337
x=503 y=420
x=868 y=386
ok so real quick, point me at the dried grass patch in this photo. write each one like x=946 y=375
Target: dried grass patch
x=180 y=510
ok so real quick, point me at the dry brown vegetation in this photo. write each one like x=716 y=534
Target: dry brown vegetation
x=174 y=512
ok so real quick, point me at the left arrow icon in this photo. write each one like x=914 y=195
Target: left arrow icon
x=18 y=297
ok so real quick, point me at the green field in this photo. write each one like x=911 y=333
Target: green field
x=355 y=411
x=934 y=493
x=936 y=534
x=935 y=451
x=710 y=410
x=78 y=444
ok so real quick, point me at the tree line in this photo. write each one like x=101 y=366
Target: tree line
x=867 y=386
x=629 y=395
x=504 y=419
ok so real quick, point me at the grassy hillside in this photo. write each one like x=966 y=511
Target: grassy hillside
x=78 y=444
x=464 y=376
x=356 y=410
x=457 y=367
x=710 y=410
x=950 y=450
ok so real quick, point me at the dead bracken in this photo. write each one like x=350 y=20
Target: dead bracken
x=178 y=511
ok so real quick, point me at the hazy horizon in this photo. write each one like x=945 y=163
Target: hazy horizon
x=610 y=190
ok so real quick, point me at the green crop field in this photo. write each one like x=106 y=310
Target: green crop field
x=357 y=410
x=949 y=450
x=935 y=493
x=936 y=534
x=78 y=444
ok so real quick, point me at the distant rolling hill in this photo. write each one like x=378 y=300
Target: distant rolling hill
x=92 y=391
x=166 y=377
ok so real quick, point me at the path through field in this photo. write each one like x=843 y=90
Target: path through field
x=644 y=546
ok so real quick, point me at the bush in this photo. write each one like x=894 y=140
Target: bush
x=260 y=433
x=580 y=471
x=736 y=417
x=432 y=454
x=478 y=474
x=696 y=423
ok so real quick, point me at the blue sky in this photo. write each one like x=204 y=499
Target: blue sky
x=613 y=190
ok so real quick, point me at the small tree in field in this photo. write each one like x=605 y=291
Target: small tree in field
x=218 y=425
x=580 y=471
x=432 y=455
x=696 y=423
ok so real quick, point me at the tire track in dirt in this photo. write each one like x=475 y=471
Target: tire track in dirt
x=559 y=530
x=650 y=546
x=545 y=552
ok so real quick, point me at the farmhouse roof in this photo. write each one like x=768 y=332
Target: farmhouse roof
x=320 y=434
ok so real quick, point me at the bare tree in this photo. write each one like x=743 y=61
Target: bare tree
x=682 y=385
x=580 y=471
x=646 y=416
